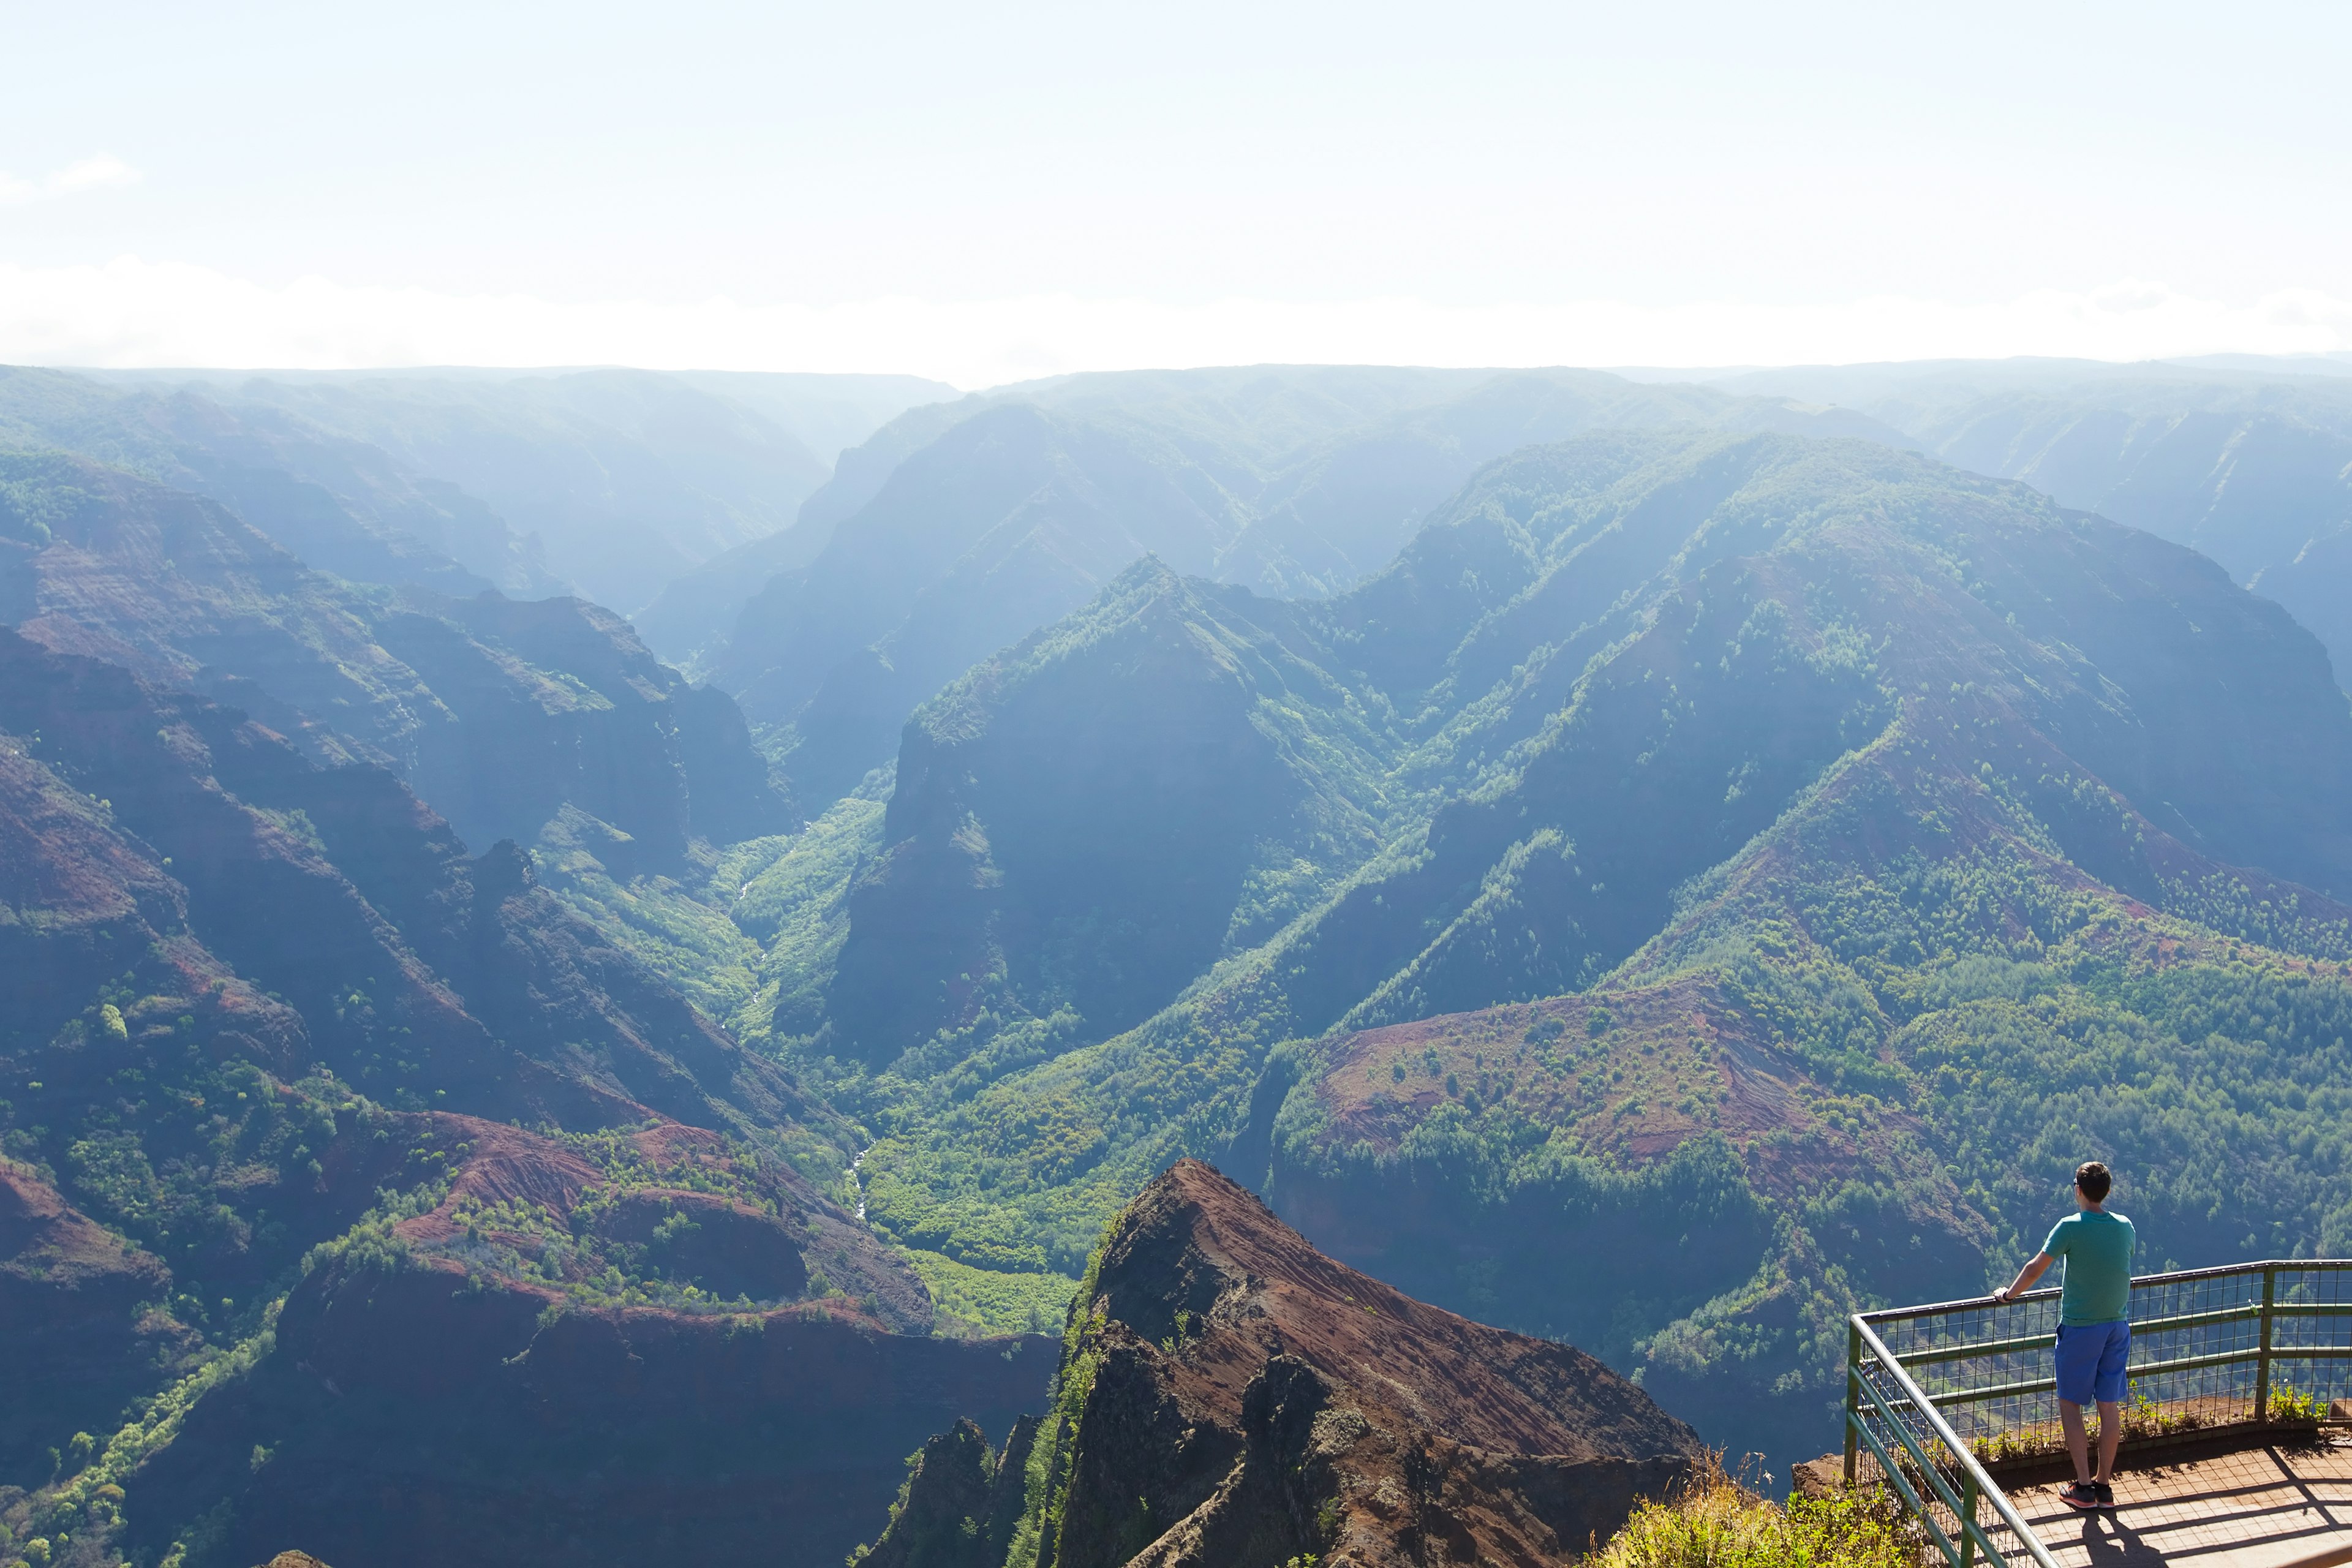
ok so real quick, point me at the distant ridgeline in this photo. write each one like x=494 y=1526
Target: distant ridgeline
x=1661 y=873
x=2253 y=468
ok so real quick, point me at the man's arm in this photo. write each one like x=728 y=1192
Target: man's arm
x=2037 y=1266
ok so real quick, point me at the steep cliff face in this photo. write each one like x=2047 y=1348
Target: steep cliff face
x=438 y=1424
x=79 y=1345
x=1010 y=519
x=962 y=1504
x=1597 y=673
x=1027 y=872
x=487 y=1381
x=624 y=479
x=1229 y=1395
x=343 y=506
x=607 y=482
x=2256 y=474
x=557 y=702
x=962 y=528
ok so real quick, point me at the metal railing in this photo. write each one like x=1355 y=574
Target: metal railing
x=1935 y=1395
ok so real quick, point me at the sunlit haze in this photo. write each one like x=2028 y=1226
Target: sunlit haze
x=982 y=194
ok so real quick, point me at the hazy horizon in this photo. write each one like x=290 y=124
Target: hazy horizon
x=988 y=199
x=2261 y=365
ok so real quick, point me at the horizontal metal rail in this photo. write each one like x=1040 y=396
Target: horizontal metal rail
x=2177 y=1277
x=2252 y=1309
x=2182 y=1363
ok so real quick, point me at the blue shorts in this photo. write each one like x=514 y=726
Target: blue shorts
x=2090 y=1358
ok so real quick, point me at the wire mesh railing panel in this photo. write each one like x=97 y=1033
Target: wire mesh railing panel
x=1992 y=1398
x=2196 y=1350
x=2313 y=1312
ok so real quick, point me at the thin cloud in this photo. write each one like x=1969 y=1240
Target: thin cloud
x=91 y=173
x=105 y=169
x=131 y=312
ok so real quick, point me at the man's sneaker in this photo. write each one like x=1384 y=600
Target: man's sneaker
x=2107 y=1493
x=2082 y=1495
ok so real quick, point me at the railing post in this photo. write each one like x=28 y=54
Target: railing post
x=2262 y=1350
x=1852 y=1392
x=1967 y=1517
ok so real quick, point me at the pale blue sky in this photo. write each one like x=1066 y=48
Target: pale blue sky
x=970 y=193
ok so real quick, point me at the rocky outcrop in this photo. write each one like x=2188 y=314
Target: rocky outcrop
x=961 y=1505
x=1228 y=1395
x=669 y=1205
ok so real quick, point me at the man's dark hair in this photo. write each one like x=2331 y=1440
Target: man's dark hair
x=2093 y=1181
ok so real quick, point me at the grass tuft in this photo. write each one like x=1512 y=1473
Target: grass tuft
x=1715 y=1522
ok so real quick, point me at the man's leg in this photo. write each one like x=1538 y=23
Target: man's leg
x=2111 y=1434
x=2078 y=1444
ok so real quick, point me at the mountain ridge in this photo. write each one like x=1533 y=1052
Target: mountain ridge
x=499 y=710
x=1228 y=1394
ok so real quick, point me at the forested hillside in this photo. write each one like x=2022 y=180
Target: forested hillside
x=1855 y=787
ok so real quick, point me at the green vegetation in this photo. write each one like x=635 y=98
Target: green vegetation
x=2220 y=1087
x=610 y=1249
x=2148 y=449
x=1713 y=1522
x=677 y=929
x=89 y=1499
x=2293 y=1405
x=1045 y=1498
x=84 y=1503
x=992 y=1301
x=193 y=1156
x=749 y=933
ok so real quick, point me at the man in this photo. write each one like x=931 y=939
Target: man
x=2094 y=1327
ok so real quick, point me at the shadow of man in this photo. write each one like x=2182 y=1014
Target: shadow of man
x=2108 y=1543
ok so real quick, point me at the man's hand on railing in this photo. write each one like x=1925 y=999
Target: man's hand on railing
x=2035 y=1266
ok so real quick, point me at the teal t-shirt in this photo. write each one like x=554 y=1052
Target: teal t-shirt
x=2098 y=1248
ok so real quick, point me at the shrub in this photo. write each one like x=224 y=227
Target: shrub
x=2289 y=1406
x=1715 y=1522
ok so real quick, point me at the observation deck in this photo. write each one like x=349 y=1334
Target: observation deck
x=2237 y=1448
